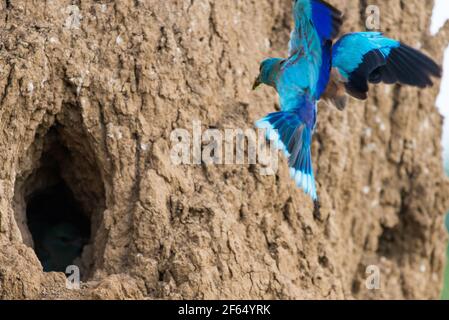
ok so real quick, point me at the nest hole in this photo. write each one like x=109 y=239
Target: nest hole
x=59 y=202
x=59 y=227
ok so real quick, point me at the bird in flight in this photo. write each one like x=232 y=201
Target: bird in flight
x=316 y=68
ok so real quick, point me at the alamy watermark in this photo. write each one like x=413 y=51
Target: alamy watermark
x=73 y=277
x=372 y=22
x=373 y=280
x=223 y=147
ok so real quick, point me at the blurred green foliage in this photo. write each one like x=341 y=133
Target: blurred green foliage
x=445 y=295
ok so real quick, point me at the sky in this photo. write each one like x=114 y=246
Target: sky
x=440 y=15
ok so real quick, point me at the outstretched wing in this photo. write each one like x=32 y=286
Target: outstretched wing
x=370 y=57
x=325 y=19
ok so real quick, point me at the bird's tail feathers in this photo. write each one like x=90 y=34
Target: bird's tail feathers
x=291 y=135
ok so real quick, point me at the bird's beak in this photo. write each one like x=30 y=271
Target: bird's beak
x=257 y=83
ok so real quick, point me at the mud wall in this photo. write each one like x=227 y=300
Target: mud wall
x=108 y=81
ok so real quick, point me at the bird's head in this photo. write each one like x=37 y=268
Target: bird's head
x=269 y=70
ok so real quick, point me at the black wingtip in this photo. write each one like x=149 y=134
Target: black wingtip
x=408 y=66
x=423 y=60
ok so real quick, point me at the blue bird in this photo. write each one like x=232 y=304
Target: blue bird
x=300 y=80
x=315 y=69
x=370 y=57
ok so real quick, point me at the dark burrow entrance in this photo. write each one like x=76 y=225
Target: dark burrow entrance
x=59 y=227
x=60 y=198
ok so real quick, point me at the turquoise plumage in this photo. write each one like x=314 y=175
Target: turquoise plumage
x=315 y=69
x=370 y=57
x=360 y=43
x=300 y=80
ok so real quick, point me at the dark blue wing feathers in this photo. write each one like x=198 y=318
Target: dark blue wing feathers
x=357 y=85
x=326 y=19
x=370 y=57
x=408 y=66
x=325 y=69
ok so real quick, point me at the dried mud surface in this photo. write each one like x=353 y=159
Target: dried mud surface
x=110 y=80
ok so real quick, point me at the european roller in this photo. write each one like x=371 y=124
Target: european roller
x=300 y=80
x=317 y=69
